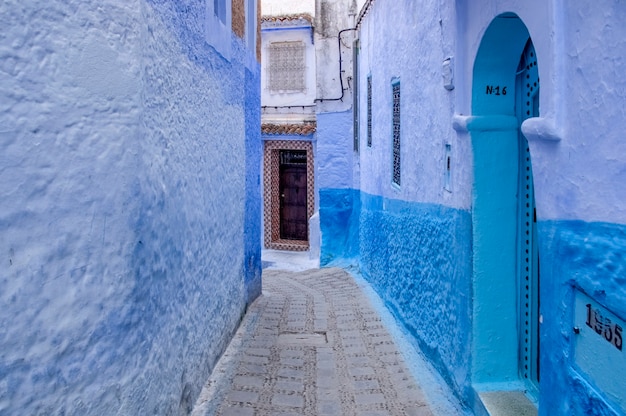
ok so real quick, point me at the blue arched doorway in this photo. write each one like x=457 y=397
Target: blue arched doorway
x=506 y=265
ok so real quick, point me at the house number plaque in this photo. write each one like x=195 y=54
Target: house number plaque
x=597 y=340
x=604 y=326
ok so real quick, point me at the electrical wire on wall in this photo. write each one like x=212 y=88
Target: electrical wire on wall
x=340 y=98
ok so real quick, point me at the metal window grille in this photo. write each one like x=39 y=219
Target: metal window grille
x=356 y=96
x=369 y=111
x=396 y=133
x=287 y=67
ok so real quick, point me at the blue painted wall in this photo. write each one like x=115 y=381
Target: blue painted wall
x=588 y=257
x=254 y=149
x=406 y=240
x=418 y=259
x=126 y=265
x=339 y=225
x=413 y=243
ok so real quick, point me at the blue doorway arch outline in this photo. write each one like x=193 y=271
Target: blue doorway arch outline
x=495 y=133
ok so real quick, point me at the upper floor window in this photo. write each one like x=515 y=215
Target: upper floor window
x=287 y=67
x=219 y=9
x=251 y=24
x=217 y=26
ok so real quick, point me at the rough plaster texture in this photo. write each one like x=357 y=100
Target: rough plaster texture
x=125 y=266
x=417 y=258
x=334 y=156
x=579 y=54
x=577 y=161
x=588 y=257
x=423 y=43
x=239 y=17
x=339 y=226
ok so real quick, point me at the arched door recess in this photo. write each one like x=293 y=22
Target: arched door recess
x=504 y=94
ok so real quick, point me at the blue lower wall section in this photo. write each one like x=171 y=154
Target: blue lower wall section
x=339 y=210
x=588 y=257
x=418 y=258
x=252 y=220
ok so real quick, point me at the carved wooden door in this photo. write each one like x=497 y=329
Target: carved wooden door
x=293 y=195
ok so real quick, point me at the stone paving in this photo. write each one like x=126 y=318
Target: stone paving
x=311 y=345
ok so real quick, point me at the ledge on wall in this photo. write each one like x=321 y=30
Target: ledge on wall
x=534 y=128
x=540 y=128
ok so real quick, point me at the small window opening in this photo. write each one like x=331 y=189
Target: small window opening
x=369 y=111
x=396 y=134
x=447 y=174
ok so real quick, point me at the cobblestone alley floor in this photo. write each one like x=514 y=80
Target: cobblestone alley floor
x=312 y=344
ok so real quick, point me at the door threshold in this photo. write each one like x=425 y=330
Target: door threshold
x=289 y=245
x=507 y=403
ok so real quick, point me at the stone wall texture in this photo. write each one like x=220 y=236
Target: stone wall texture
x=126 y=265
x=418 y=243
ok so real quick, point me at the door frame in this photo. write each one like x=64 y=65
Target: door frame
x=293 y=206
x=271 y=193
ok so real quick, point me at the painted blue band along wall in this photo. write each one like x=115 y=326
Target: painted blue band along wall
x=576 y=257
x=339 y=210
x=418 y=258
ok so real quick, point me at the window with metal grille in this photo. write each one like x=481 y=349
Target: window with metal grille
x=356 y=96
x=287 y=67
x=396 y=132
x=369 y=111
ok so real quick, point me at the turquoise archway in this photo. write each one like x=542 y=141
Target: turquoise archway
x=504 y=321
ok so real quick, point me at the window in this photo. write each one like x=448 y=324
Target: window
x=396 y=132
x=219 y=10
x=287 y=67
x=251 y=24
x=448 y=169
x=355 y=95
x=217 y=25
x=369 y=110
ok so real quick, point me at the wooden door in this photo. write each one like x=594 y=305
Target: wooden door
x=293 y=195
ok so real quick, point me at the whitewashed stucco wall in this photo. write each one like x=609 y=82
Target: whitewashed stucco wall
x=120 y=205
x=282 y=7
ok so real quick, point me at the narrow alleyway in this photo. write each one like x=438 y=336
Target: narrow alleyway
x=313 y=344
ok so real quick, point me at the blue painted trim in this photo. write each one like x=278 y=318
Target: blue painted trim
x=494 y=134
x=281 y=29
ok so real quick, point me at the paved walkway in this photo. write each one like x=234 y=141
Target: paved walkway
x=311 y=345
